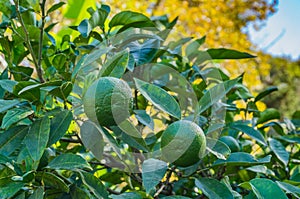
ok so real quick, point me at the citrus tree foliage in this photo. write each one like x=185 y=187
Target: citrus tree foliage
x=50 y=148
x=223 y=22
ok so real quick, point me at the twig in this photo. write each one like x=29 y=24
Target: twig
x=42 y=5
x=165 y=183
x=27 y=41
x=112 y=191
x=70 y=140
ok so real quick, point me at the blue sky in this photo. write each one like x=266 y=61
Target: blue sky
x=283 y=28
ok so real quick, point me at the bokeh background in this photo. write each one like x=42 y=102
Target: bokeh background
x=266 y=28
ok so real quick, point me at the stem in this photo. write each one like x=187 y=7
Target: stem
x=39 y=69
x=27 y=41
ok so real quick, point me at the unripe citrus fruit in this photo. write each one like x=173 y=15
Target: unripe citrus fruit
x=231 y=143
x=107 y=101
x=183 y=143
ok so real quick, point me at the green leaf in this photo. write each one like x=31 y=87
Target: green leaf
x=279 y=151
x=153 y=171
x=266 y=189
x=7 y=104
x=99 y=16
x=63 y=91
x=191 y=50
x=21 y=73
x=68 y=162
x=144 y=52
x=37 y=138
x=8 y=85
x=159 y=98
x=11 y=139
x=242 y=159
x=144 y=118
x=92 y=139
x=223 y=53
x=288 y=188
x=37 y=194
x=116 y=65
x=131 y=135
x=175 y=197
x=126 y=195
x=55 y=7
x=59 y=126
x=216 y=93
x=15 y=115
x=10 y=189
x=218 y=148
x=84 y=28
x=265 y=93
x=261 y=169
x=52 y=180
x=77 y=193
x=256 y=135
x=94 y=184
x=31 y=95
x=268 y=114
x=131 y=18
x=59 y=61
x=213 y=189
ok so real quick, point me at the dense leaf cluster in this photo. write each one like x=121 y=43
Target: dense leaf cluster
x=49 y=148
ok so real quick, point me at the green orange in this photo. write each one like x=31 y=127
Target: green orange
x=183 y=143
x=107 y=101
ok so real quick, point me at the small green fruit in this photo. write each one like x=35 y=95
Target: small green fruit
x=183 y=143
x=108 y=101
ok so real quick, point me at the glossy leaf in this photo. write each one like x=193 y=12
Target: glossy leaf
x=265 y=93
x=8 y=85
x=268 y=114
x=242 y=159
x=216 y=94
x=37 y=138
x=11 y=139
x=10 y=189
x=84 y=28
x=145 y=52
x=55 y=7
x=15 y=115
x=131 y=195
x=213 y=189
x=144 y=118
x=52 y=180
x=129 y=17
x=266 y=189
x=153 y=171
x=94 y=185
x=37 y=194
x=159 y=98
x=288 y=188
x=92 y=139
x=63 y=91
x=59 y=126
x=256 y=135
x=59 y=61
x=7 y=104
x=116 y=65
x=279 y=151
x=223 y=53
x=69 y=162
x=218 y=148
x=175 y=197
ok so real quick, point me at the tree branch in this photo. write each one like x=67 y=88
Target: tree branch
x=28 y=44
x=39 y=69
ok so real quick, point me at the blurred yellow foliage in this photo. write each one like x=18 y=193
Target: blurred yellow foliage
x=222 y=21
